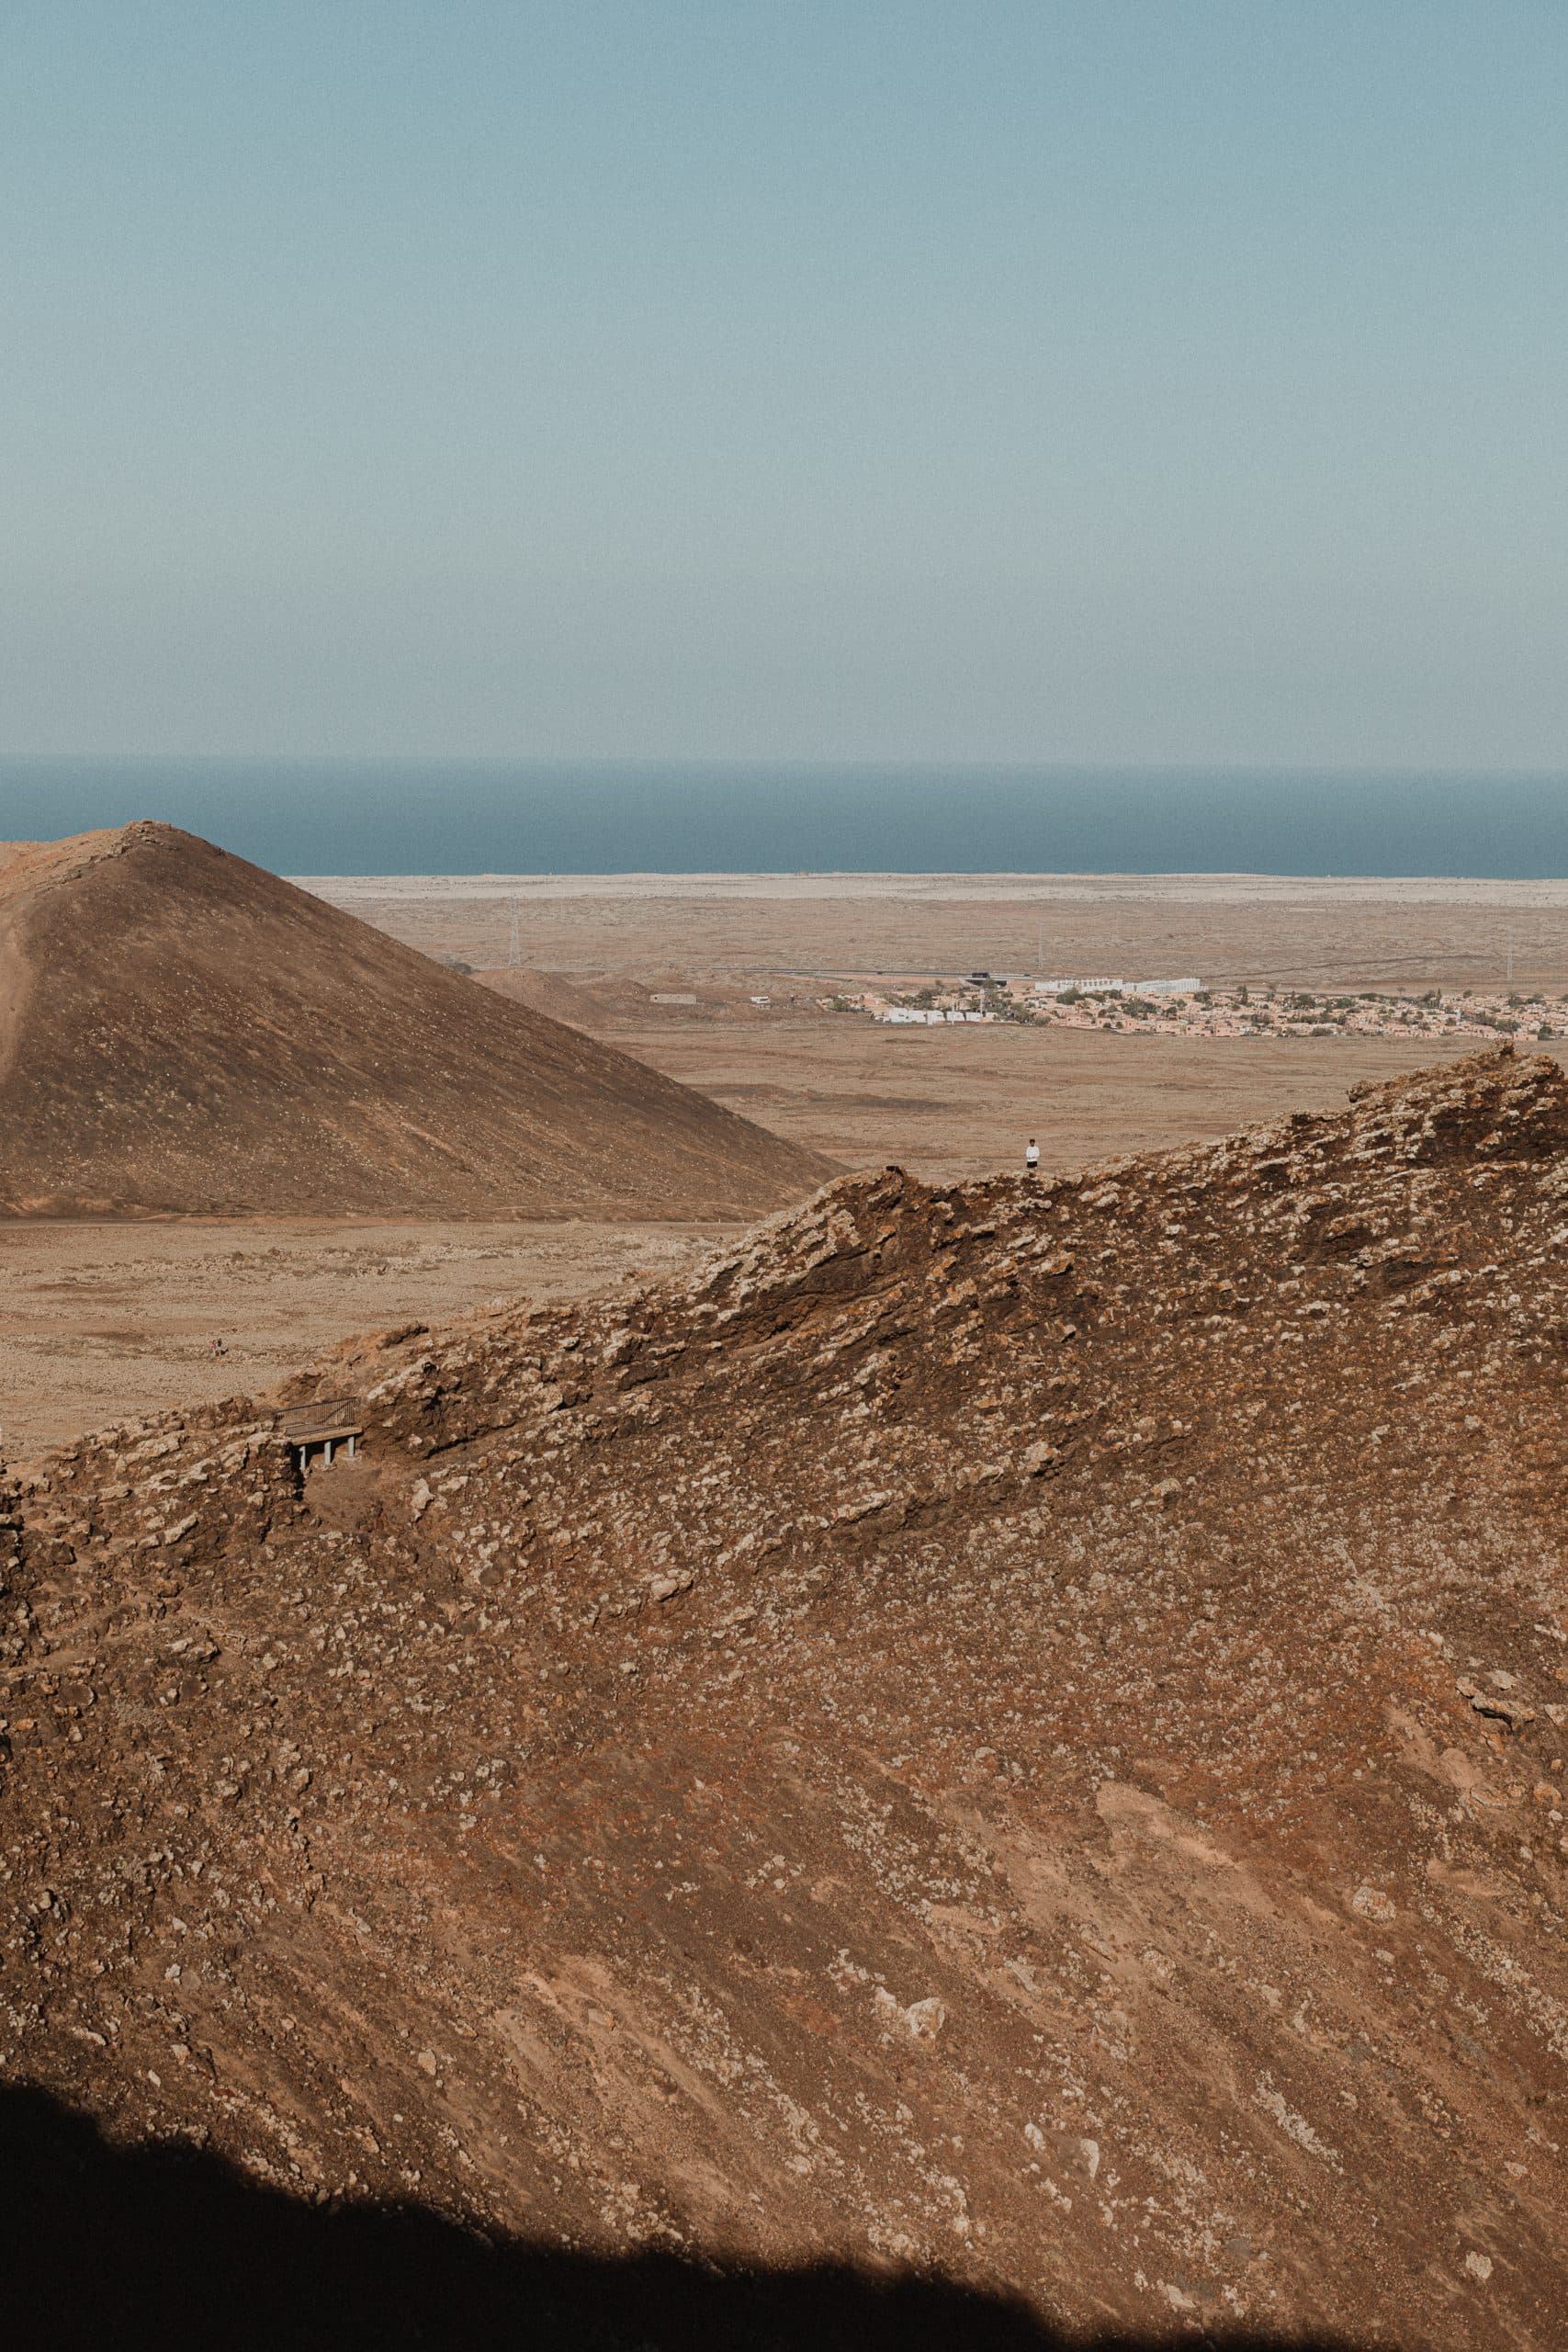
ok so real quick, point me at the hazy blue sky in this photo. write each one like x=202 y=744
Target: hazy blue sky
x=1131 y=380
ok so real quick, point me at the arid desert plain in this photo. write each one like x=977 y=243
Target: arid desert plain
x=104 y=1319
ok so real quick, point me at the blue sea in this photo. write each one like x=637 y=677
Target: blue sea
x=539 y=817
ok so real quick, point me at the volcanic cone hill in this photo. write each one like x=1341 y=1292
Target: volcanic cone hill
x=1012 y=1729
x=180 y=1030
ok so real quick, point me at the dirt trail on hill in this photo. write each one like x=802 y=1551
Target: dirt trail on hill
x=190 y=1034
x=1008 y=1731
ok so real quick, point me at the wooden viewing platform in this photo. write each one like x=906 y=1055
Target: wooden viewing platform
x=322 y=1427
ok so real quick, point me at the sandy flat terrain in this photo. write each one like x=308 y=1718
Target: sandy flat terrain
x=947 y=1101
x=103 y=1323
x=1169 y=890
x=961 y=1102
x=1227 y=928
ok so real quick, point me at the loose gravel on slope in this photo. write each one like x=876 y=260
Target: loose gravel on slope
x=1016 y=1729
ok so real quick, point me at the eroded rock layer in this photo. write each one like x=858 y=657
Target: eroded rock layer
x=1016 y=1729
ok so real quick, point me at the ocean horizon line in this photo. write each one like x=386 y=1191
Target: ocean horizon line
x=351 y=816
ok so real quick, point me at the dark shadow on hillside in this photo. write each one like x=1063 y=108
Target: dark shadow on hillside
x=166 y=2245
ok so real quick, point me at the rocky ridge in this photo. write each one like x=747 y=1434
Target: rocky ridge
x=1016 y=1729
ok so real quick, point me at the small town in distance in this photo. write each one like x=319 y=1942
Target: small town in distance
x=1186 y=1008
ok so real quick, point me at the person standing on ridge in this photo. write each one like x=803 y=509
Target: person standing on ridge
x=1032 y=1159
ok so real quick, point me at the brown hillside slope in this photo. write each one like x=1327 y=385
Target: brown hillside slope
x=546 y=992
x=180 y=1030
x=1014 y=1729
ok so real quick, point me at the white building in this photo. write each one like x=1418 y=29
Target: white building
x=1094 y=988
x=921 y=1016
x=1117 y=988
